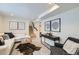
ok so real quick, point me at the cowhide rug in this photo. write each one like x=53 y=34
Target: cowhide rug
x=27 y=48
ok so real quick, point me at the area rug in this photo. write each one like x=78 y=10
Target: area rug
x=43 y=50
x=27 y=48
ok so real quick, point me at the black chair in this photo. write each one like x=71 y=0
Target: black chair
x=58 y=48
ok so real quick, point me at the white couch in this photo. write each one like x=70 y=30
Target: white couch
x=6 y=49
x=20 y=37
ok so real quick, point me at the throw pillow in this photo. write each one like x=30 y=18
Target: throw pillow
x=5 y=36
x=10 y=34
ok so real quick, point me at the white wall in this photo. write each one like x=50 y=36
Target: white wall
x=69 y=24
x=1 y=24
x=4 y=24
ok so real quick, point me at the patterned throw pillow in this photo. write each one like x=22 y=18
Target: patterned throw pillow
x=5 y=36
x=10 y=34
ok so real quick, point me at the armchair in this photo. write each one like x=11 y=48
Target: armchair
x=70 y=47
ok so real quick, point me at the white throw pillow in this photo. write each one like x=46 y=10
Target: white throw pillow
x=70 y=46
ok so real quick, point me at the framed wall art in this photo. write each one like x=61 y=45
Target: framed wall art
x=56 y=25
x=12 y=25
x=21 y=25
x=47 y=26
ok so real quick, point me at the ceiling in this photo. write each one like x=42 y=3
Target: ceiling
x=63 y=8
x=26 y=10
x=33 y=10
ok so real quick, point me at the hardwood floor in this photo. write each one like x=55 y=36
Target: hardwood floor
x=43 y=51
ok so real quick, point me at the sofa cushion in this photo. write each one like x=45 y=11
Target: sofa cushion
x=6 y=49
x=10 y=34
x=71 y=46
x=9 y=44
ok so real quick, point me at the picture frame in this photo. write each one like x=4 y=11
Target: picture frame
x=47 y=26
x=56 y=25
x=21 y=25
x=13 y=25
